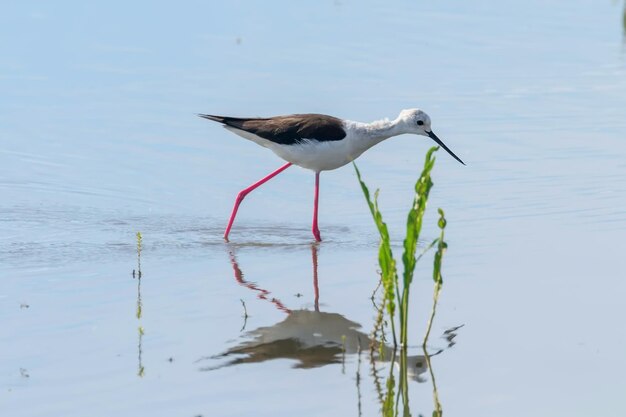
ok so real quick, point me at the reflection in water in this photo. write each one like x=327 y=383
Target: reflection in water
x=245 y=315
x=392 y=403
x=358 y=382
x=316 y=301
x=437 y=412
x=139 y=310
x=140 y=368
x=262 y=294
x=450 y=335
x=314 y=338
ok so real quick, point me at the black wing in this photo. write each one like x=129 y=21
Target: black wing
x=288 y=130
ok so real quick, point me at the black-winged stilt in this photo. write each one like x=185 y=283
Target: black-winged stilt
x=320 y=143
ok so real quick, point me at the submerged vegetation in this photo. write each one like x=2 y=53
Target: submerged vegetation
x=396 y=290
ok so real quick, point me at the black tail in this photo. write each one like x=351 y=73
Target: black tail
x=219 y=119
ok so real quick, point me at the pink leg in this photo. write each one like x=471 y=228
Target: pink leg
x=316 y=230
x=242 y=194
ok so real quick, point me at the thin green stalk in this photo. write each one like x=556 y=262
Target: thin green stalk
x=403 y=385
x=139 y=247
x=389 y=274
x=413 y=230
x=432 y=314
x=385 y=256
x=437 y=277
x=438 y=410
x=404 y=316
x=415 y=217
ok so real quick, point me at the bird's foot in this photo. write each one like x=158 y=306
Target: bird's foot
x=316 y=234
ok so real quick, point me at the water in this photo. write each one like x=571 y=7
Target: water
x=99 y=140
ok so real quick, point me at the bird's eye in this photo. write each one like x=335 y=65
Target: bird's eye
x=420 y=122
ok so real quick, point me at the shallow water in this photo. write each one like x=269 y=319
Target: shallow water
x=99 y=140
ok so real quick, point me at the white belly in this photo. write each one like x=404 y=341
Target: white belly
x=311 y=154
x=316 y=156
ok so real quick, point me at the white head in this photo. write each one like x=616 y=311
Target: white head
x=417 y=122
x=414 y=121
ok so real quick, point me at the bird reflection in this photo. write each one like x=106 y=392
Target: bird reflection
x=312 y=338
x=261 y=293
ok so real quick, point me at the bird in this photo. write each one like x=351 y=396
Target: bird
x=319 y=142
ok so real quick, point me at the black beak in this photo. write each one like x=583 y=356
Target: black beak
x=434 y=137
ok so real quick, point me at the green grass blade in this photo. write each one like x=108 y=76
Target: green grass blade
x=389 y=275
x=416 y=215
x=437 y=277
x=385 y=255
x=413 y=229
x=441 y=248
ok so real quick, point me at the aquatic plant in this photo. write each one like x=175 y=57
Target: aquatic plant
x=396 y=403
x=139 y=310
x=139 y=304
x=438 y=410
x=389 y=273
x=389 y=405
x=141 y=370
x=139 y=246
x=437 y=277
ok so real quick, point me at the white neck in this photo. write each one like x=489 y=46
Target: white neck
x=380 y=129
x=366 y=135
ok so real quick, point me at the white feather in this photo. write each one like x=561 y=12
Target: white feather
x=328 y=155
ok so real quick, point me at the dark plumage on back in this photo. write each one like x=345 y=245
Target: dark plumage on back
x=287 y=130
